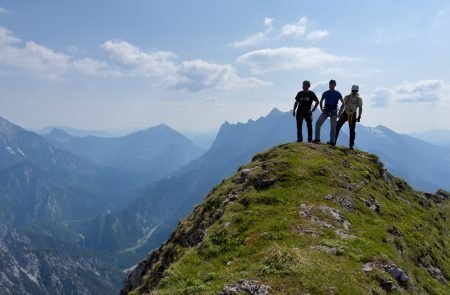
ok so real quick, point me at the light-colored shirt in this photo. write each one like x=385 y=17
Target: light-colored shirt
x=352 y=103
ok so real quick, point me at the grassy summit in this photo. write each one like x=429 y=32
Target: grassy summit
x=306 y=219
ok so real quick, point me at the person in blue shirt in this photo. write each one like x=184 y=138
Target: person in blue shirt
x=331 y=97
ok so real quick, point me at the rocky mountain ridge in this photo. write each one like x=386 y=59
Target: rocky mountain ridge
x=309 y=219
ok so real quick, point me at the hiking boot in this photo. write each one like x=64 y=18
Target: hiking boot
x=331 y=143
x=316 y=141
x=351 y=148
x=299 y=140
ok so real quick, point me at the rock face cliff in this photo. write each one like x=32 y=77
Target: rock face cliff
x=305 y=219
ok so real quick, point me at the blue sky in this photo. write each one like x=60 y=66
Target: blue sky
x=195 y=64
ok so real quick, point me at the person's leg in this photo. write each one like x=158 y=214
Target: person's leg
x=333 y=118
x=340 y=123
x=299 y=119
x=308 y=120
x=319 y=124
x=352 y=125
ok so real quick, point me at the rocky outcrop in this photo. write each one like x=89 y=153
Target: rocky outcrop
x=247 y=287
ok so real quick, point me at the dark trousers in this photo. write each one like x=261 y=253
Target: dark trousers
x=351 y=123
x=308 y=118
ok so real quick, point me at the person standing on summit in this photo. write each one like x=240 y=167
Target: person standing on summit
x=302 y=110
x=350 y=111
x=331 y=98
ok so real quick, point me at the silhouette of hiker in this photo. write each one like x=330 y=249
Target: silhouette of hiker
x=331 y=97
x=303 y=102
x=352 y=103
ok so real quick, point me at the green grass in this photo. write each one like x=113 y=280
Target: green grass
x=257 y=238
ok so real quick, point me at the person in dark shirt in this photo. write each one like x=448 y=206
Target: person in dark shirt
x=331 y=98
x=302 y=110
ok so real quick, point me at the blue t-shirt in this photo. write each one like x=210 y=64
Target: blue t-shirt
x=331 y=99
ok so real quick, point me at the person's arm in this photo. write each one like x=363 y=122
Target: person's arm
x=295 y=107
x=316 y=101
x=359 y=110
x=321 y=102
x=341 y=110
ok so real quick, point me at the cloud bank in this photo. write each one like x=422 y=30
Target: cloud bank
x=423 y=91
x=124 y=59
x=289 y=58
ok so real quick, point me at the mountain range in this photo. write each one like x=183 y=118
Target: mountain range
x=149 y=154
x=116 y=199
x=48 y=195
x=435 y=136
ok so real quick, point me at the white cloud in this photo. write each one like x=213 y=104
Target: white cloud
x=252 y=40
x=382 y=97
x=197 y=75
x=297 y=29
x=4 y=11
x=95 y=68
x=33 y=56
x=7 y=37
x=137 y=62
x=123 y=59
x=288 y=58
x=268 y=21
x=320 y=87
x=191 y=75
x=423 y=91
x=211 y=99
x=316 y=35
x=75 y=50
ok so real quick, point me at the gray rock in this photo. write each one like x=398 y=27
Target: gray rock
x=443 y=194
x=343 y=235
x=373 y=204
x=437 y=274
x=250 y=287
x=259 y=183
x=388 y=286
x=346 y=202
x=326 y=249
x=308 y=232
x=337 y=215
x=305 y=210
x=438 y=197
x=400 y=276
x=217 y=214
x=318 y=221
x=368 y=267
x=394 y=231
x=244 y=174
x=396 y=272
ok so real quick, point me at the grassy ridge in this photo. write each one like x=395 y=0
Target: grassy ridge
x=306 y=218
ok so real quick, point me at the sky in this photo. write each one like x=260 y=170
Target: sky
x=195 y=64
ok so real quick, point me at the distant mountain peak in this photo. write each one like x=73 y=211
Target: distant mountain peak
x=163 y=126
x=275 y=112
x=7 y=126
x=58 y=132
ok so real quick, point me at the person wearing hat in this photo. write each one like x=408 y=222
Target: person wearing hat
x=331 y=97
x=302 y=110
x=350 y=111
